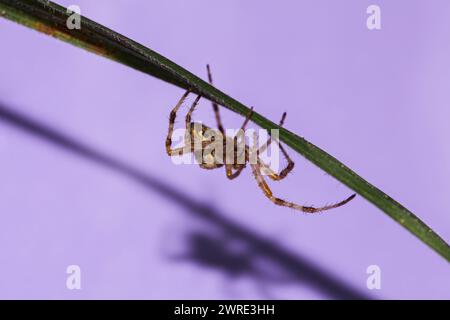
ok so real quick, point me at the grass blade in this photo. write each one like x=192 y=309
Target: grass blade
x=50 y=18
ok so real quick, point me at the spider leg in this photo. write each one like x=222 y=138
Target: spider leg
x=247 y=119
x=189 y=114
x=229 y=166
x=269 y=141
x=173 y=115
x=290 y=164
x=232 y=175
x=268 y=193
x=215 y=105
x=277 y=176
x=242 y=131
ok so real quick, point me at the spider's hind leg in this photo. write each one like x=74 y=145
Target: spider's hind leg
x=290 y=164
x=232 y=175
x=268 y=193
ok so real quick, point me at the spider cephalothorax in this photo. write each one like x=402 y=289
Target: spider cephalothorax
x=205 y=142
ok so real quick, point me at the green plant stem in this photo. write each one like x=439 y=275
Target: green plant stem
x=50 y=18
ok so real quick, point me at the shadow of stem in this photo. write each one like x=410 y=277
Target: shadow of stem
x=295 y=266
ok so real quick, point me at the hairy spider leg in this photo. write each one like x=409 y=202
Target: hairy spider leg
x=215 y=105
x=290 y=164
x=269 y=140
x=228 y=167
x=256 y=169
x=173 y=114
x=189 y=114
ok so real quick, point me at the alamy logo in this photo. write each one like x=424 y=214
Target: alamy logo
x=73 y=280
x=209 y=147
x=374 y=278
x=374 y=19
x=74 y=20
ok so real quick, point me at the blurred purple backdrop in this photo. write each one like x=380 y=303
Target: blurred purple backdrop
x=85 y=179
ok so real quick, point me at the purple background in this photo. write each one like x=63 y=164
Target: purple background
x=140 y=227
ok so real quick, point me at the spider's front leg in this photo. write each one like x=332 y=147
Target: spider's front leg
x=173 y=115
x=269 y=141
x=232 y=175
x=189 y=114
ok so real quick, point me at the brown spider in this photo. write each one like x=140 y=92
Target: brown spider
x=197 y=142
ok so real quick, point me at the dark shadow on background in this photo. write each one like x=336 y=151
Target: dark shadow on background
x=204 y=249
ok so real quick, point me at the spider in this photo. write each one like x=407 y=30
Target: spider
x=195 y=136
